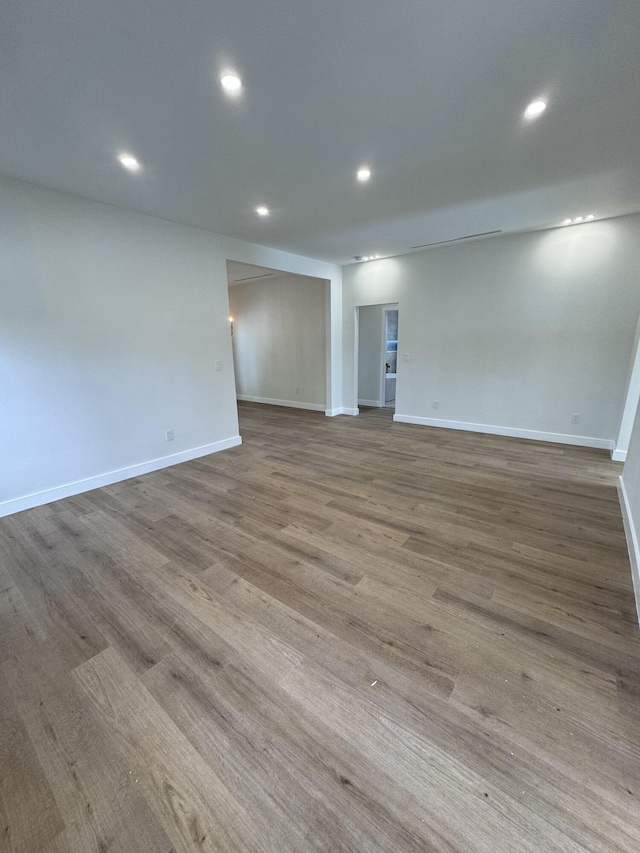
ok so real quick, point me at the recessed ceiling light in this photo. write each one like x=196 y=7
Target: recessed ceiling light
x=535 y=108
x=231 y=83
x=129 y=162
x=363 y=174
x=262 y=210
x=579 y=219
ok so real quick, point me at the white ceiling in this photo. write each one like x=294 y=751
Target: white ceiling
x=429 y=93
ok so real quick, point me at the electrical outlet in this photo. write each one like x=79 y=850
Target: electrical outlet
x=168 y=434
x=436 y=403
x=297 y=390
x=406 y=356
x=575 y=418
x=218 y=365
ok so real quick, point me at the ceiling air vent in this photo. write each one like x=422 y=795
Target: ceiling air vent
x=254 y=277
x=457 y=239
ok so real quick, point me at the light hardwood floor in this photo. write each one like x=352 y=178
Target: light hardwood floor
x=345 y=635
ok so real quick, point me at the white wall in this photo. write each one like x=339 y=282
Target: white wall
x=632 y=397
x=370 y=327
x=512 y=333
x=630 y=503
x=280 y=340
x=110 y=326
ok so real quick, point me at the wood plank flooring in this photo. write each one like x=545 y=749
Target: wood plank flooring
x=344 y=635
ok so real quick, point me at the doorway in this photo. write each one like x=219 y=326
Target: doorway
x=377 y=354
x=280 y=334
x=390 y=356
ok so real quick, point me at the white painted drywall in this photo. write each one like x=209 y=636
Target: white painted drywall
x=516 y=332
x=632 y=396
x=631 y=472
x=370 y=329
x=279 y=340
x=110 y=326
x=629 y=492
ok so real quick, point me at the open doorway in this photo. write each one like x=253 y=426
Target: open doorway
x=390 y=356
x=377 y=354
x=280 y=336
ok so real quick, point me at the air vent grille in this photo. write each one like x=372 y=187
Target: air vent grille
x=457 y=239
x=253 y=277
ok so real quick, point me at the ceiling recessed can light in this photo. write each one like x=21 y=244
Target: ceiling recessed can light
x=535 y=108
x=231 y=83
x=363 y=174
x=589 y=218
x=261 y=210
x=129 y=162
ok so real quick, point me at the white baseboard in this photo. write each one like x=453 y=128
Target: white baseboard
x=619 y=455
x=79 y=486
x=632 y=542
x=331 y=413
x=557 y=437
x=373 y=403
x=291 y=404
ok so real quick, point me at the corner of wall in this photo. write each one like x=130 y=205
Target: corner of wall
x=15 y=505
x=632 y=542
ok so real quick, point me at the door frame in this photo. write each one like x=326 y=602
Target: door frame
x=384 y=306
x=383 y=381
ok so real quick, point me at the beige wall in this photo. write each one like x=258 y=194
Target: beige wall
x=280 y=340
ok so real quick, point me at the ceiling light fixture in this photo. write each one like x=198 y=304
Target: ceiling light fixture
x=363 y=174
x=535 y=109
x=262 y=210
x=367 y=257
x=579 y=219
x=231 y=83
x=129 y=162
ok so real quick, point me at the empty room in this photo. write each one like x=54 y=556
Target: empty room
x=319 y=444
